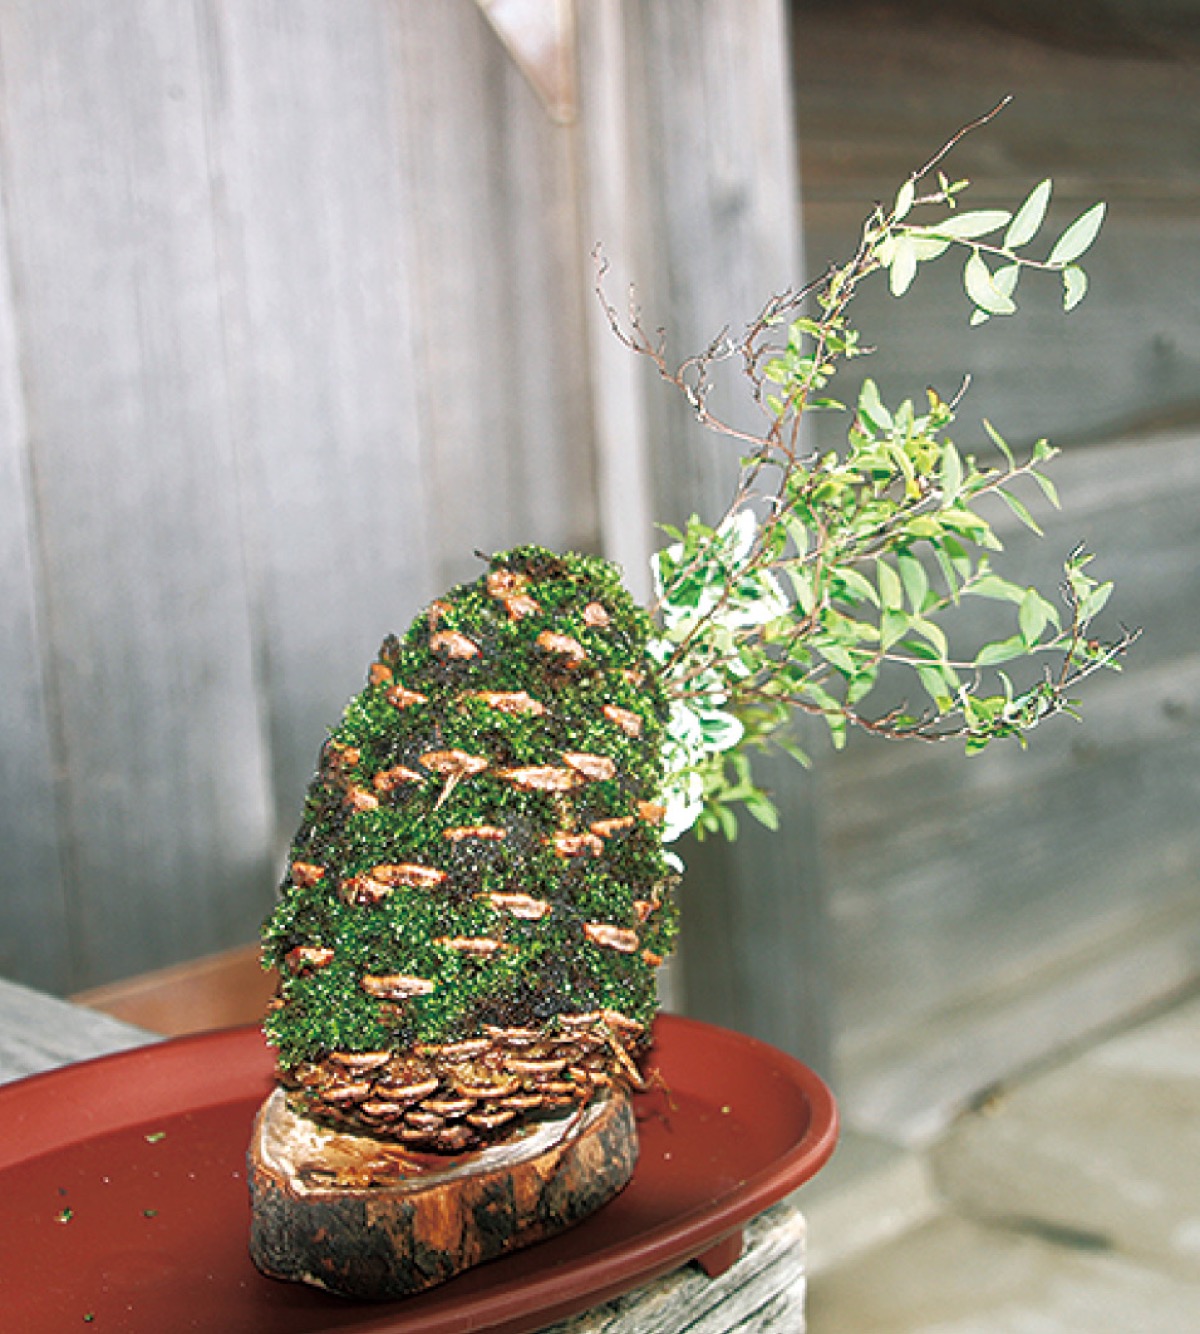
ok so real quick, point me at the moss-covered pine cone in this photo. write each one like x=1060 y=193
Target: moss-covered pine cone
x=476 y=900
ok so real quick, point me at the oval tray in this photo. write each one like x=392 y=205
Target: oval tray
x=123 y=1200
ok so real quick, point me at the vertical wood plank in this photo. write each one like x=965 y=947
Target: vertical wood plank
x=35 y=944
x=615 y=237
x=316 y=202
x=110 y=210
x=501 y=356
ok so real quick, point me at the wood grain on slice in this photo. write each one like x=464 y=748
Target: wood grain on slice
x=373 y=1220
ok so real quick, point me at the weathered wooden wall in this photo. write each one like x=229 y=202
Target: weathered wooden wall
x=295 y=315
x=290 y=325
x=985 y=914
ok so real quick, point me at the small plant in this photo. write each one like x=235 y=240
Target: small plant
x=829 y=575
x=478 y=896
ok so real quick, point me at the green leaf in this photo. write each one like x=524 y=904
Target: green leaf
x=1003 y=650
x=968 y=226
x=904 y=200
x=1075 y=285
x=1029 y=216
x=1078 y=236
x=977 y=279
x=935 y=685
x=903 y=267
x=924 y=525
x=893 y=626
x=1031 y=617
x=861 y=684
x=933 y=634
x=979 y=317
x=927 y=247
x=998 y=589
x=950 y=473
x=891 y=589
x=1049 y=490
x=1093 y=603
x=802 y=586
x=797 y=532
x=1044 y=451
x=999 y=441
x=915 y=580
x=871 y=407
x=1019 y=508
x=858 y=587
x=763 y=809
x=1005 y=279
x=791 y=749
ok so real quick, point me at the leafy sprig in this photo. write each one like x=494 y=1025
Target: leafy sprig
x=831 y=577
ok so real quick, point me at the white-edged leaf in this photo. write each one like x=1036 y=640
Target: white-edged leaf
x=979 y=317
x=1075 y=285
x=1078 y=236
x=904 y=266
x=1029 y=216
x=904 y=200
x=977 y=279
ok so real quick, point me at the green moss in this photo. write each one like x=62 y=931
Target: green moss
x=353 y=823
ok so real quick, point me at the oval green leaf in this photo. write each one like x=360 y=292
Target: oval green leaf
x=904 y=266
x=1029 y=218
x=977 y=279
x=967 y=226
x=1075 y=285
x=1078 y=236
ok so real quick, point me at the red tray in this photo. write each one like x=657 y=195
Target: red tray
x=123 y=1200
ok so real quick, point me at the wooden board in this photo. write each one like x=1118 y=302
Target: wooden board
x=146 y=613
x=35 y=937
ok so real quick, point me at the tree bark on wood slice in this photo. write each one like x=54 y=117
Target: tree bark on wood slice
x=371 y=1219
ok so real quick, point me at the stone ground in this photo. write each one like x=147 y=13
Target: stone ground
x=1069 y=1201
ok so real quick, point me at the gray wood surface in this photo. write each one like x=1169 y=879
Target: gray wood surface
x=146 y=614
x=312 y=218
x=40 y=1033
x=763 y=1292
x=35 y=914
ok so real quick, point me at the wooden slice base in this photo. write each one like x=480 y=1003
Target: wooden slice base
x=371 y=1219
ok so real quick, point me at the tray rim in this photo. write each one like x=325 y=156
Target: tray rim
x=41 y=1119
